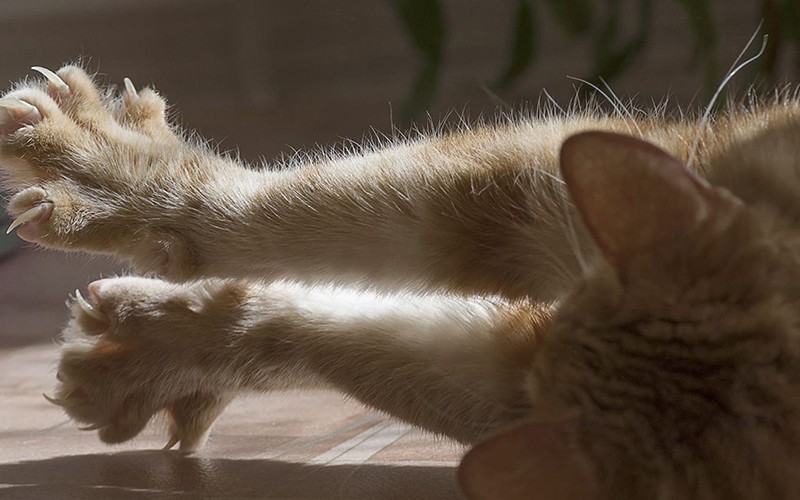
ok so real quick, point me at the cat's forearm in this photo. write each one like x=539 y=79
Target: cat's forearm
x=476 y=212
x=392 y=219
x=452 y=366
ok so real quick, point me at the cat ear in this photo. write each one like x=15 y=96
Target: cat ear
x=533 y=460
x=631 y=194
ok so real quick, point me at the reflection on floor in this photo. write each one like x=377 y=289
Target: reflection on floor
x=282 y=445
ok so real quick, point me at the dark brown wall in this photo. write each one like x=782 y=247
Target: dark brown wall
x=268 y=77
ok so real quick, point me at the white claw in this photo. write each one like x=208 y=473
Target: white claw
x=129 y=87
x=92 y=427
x=88 y=308
x=15 y=110
x=28 y=215
x=57 y=402
x=173 y=440
x=53 y=79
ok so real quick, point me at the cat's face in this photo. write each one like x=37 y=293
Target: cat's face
x=673 y=370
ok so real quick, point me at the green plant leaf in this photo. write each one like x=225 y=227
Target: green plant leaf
x=421 y=94
x=700 y=16
x=772 y=17
x=791 y=19
x=612 y=56
x=523 y=49
x=424 y=23
x=575 y=16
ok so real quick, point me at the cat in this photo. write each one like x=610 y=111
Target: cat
x=602 y=307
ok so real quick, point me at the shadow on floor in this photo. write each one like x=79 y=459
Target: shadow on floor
x=156 y=475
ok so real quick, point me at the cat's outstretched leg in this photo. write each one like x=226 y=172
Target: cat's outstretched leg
x=103 y=172
x=139 y=346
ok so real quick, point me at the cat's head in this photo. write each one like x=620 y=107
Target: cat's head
x=673 y=370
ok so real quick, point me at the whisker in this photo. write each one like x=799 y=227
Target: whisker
x=614 y=104
x=624 y=108
x=731 y=73
x=553 y=102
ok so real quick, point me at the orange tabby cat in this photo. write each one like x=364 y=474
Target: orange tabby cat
x=602 y=320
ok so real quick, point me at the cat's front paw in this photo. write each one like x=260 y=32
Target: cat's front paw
x=99 y=171
x=136 y=347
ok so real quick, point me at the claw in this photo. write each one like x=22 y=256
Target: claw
x=28 y=215
x=16 y=110
x=89 y=308
x=92 y=427
x=130 y=88
x=55 y=401
x=173 y=440
x=53 y=80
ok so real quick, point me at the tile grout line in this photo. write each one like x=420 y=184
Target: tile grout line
x=364 y=446
x=342 y=448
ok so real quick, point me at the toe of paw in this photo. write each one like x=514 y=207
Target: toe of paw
x=79 y=82
x=127 y=426
x=30 y=209
x=26 y=199
x=90 y=314
x=192 y=417
x=31 y=224
x=36 y=218
x=147 y=105
x=76 y=403
x=15 y=113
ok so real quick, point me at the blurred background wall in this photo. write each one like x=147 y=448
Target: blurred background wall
x=269 y=77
